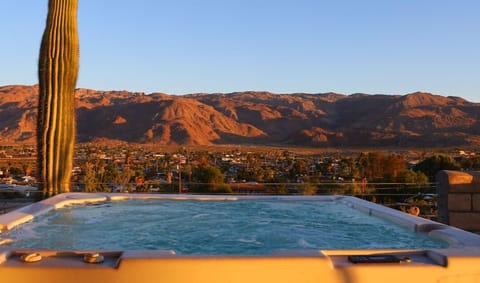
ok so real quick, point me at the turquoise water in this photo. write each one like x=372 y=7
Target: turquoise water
x=240 y=227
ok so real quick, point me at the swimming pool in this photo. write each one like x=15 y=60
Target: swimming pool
x=305 y=261
x=235 y=226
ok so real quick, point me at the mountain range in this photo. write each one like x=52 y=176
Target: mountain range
x=254 y=118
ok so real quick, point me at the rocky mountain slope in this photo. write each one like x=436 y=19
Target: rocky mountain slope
x=263 y=118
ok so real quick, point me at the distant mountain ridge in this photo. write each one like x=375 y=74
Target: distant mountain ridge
x=254 y=118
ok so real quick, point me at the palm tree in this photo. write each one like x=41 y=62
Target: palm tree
x=57 y=72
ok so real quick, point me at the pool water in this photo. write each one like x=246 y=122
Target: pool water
x=240 y=227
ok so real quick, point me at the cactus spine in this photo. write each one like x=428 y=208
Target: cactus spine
x=57 y=73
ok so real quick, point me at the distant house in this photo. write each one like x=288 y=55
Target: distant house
x=465 y=153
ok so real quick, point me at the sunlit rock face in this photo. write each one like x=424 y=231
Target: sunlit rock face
x=254 y=118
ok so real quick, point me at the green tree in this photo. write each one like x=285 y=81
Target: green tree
x=421 y=178
x=435 y=163
x=299 y=167
x=471 y=163
x=392 y=164
x=112 y=174
x=57 y=73
x=380 y=166
x=410 y=176
x=90 y=177
x=209 y=177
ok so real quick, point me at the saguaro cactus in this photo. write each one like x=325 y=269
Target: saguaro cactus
x=57 y=72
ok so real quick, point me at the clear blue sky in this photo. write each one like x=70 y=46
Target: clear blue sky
x=186 y=46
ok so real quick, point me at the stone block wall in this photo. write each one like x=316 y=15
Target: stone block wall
x=459 y=199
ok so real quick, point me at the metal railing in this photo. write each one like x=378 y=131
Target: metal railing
x=400 y=196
